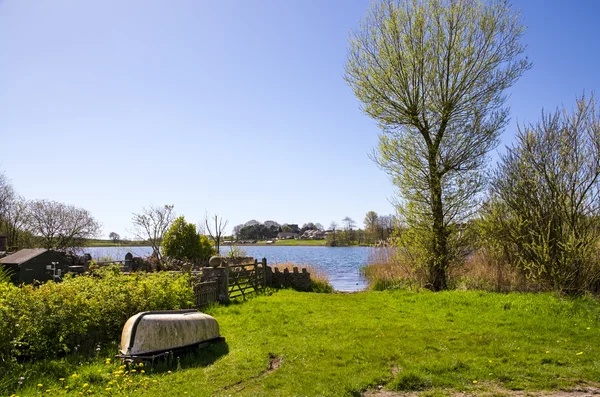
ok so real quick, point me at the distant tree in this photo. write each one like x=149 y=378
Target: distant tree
x=387 y=224
x=371 y=223
x=290 y=227
x=433 y=73
x=332 y=238
x=13 y=215
x=319 y=226
x=7 y=194
x=114 y=236
x=60 y=226
x=215 y=228
x=270 y=224
x=349 y=223
x=307 y=226
x=349 y=226
x=237 y=231
x=182 y=242
x=152 y=224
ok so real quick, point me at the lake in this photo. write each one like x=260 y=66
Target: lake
x=341 y=264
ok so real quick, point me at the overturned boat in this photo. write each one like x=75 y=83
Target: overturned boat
x=149 y=335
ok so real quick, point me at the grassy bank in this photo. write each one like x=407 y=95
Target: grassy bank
x=111 y=243
x=294 y=343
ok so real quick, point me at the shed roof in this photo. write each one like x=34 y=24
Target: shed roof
x=23 y=256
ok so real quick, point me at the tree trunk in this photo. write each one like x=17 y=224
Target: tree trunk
x=438 y=263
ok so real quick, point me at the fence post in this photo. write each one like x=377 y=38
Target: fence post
x=264 y=267
x=255 y=275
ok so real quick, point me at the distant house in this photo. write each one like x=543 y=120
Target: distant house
x=286 y=235
x=35 y=264
x=313 y=235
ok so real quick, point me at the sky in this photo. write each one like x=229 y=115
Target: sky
x=237 y=108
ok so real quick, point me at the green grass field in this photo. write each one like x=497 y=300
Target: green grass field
x=111 y=243
x=293 y=343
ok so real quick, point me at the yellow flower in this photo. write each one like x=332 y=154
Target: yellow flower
x=474 y=381
x=154 y=381
x=48 y=391
x=66 y=387
x=579 y=354
x=62 y=379
x=140 y=364
x=89 y=390
x=40 y=385
x=142 y=372
x=168 y=372
x=107 y=389
x=85 y=385
x=133 y=370
x=74 y=376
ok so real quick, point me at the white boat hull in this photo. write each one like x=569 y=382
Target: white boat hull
x=151 y=334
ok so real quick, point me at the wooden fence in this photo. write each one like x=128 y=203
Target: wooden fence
x=205 y=293
x=246 y=278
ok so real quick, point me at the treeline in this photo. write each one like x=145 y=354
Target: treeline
x=255 y=230
x=377 y=230
x=42 y=223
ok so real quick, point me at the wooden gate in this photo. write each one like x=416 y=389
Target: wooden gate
x=246 y=278
x=205 y=293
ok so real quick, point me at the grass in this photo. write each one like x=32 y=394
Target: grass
x=293 y=242
x=111 y=243
x=292 y=343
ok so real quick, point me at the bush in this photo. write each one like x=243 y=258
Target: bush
x=182 y=243
x=543 y=214
x=57 y=318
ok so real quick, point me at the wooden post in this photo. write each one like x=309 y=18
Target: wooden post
x=264 y=266
x=255 y=275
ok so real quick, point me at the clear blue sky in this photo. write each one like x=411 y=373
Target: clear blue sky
x=232 y=107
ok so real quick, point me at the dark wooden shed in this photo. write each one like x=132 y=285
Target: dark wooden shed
x=35 y=264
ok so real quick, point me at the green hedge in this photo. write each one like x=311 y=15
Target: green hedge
x=81 y=312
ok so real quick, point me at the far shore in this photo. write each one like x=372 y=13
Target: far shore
x=276 y=243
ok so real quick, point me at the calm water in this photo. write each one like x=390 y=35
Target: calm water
x=341 y=264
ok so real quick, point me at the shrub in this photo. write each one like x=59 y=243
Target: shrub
x=181 y=242
x=543 y=214
x=57 y=318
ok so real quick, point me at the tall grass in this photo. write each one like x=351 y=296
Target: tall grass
x=480 y=270
x=318 y=278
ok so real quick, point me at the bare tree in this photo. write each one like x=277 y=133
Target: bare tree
x=60 y=226
x=7 y=194
x=152 y=224
x=432 y=73
x=215 y=227
x=13 y=214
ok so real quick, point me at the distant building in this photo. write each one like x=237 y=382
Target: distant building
x=35 y=264
x=286 y=235
x=313 y=235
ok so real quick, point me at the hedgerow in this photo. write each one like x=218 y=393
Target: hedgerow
x=57 y=318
